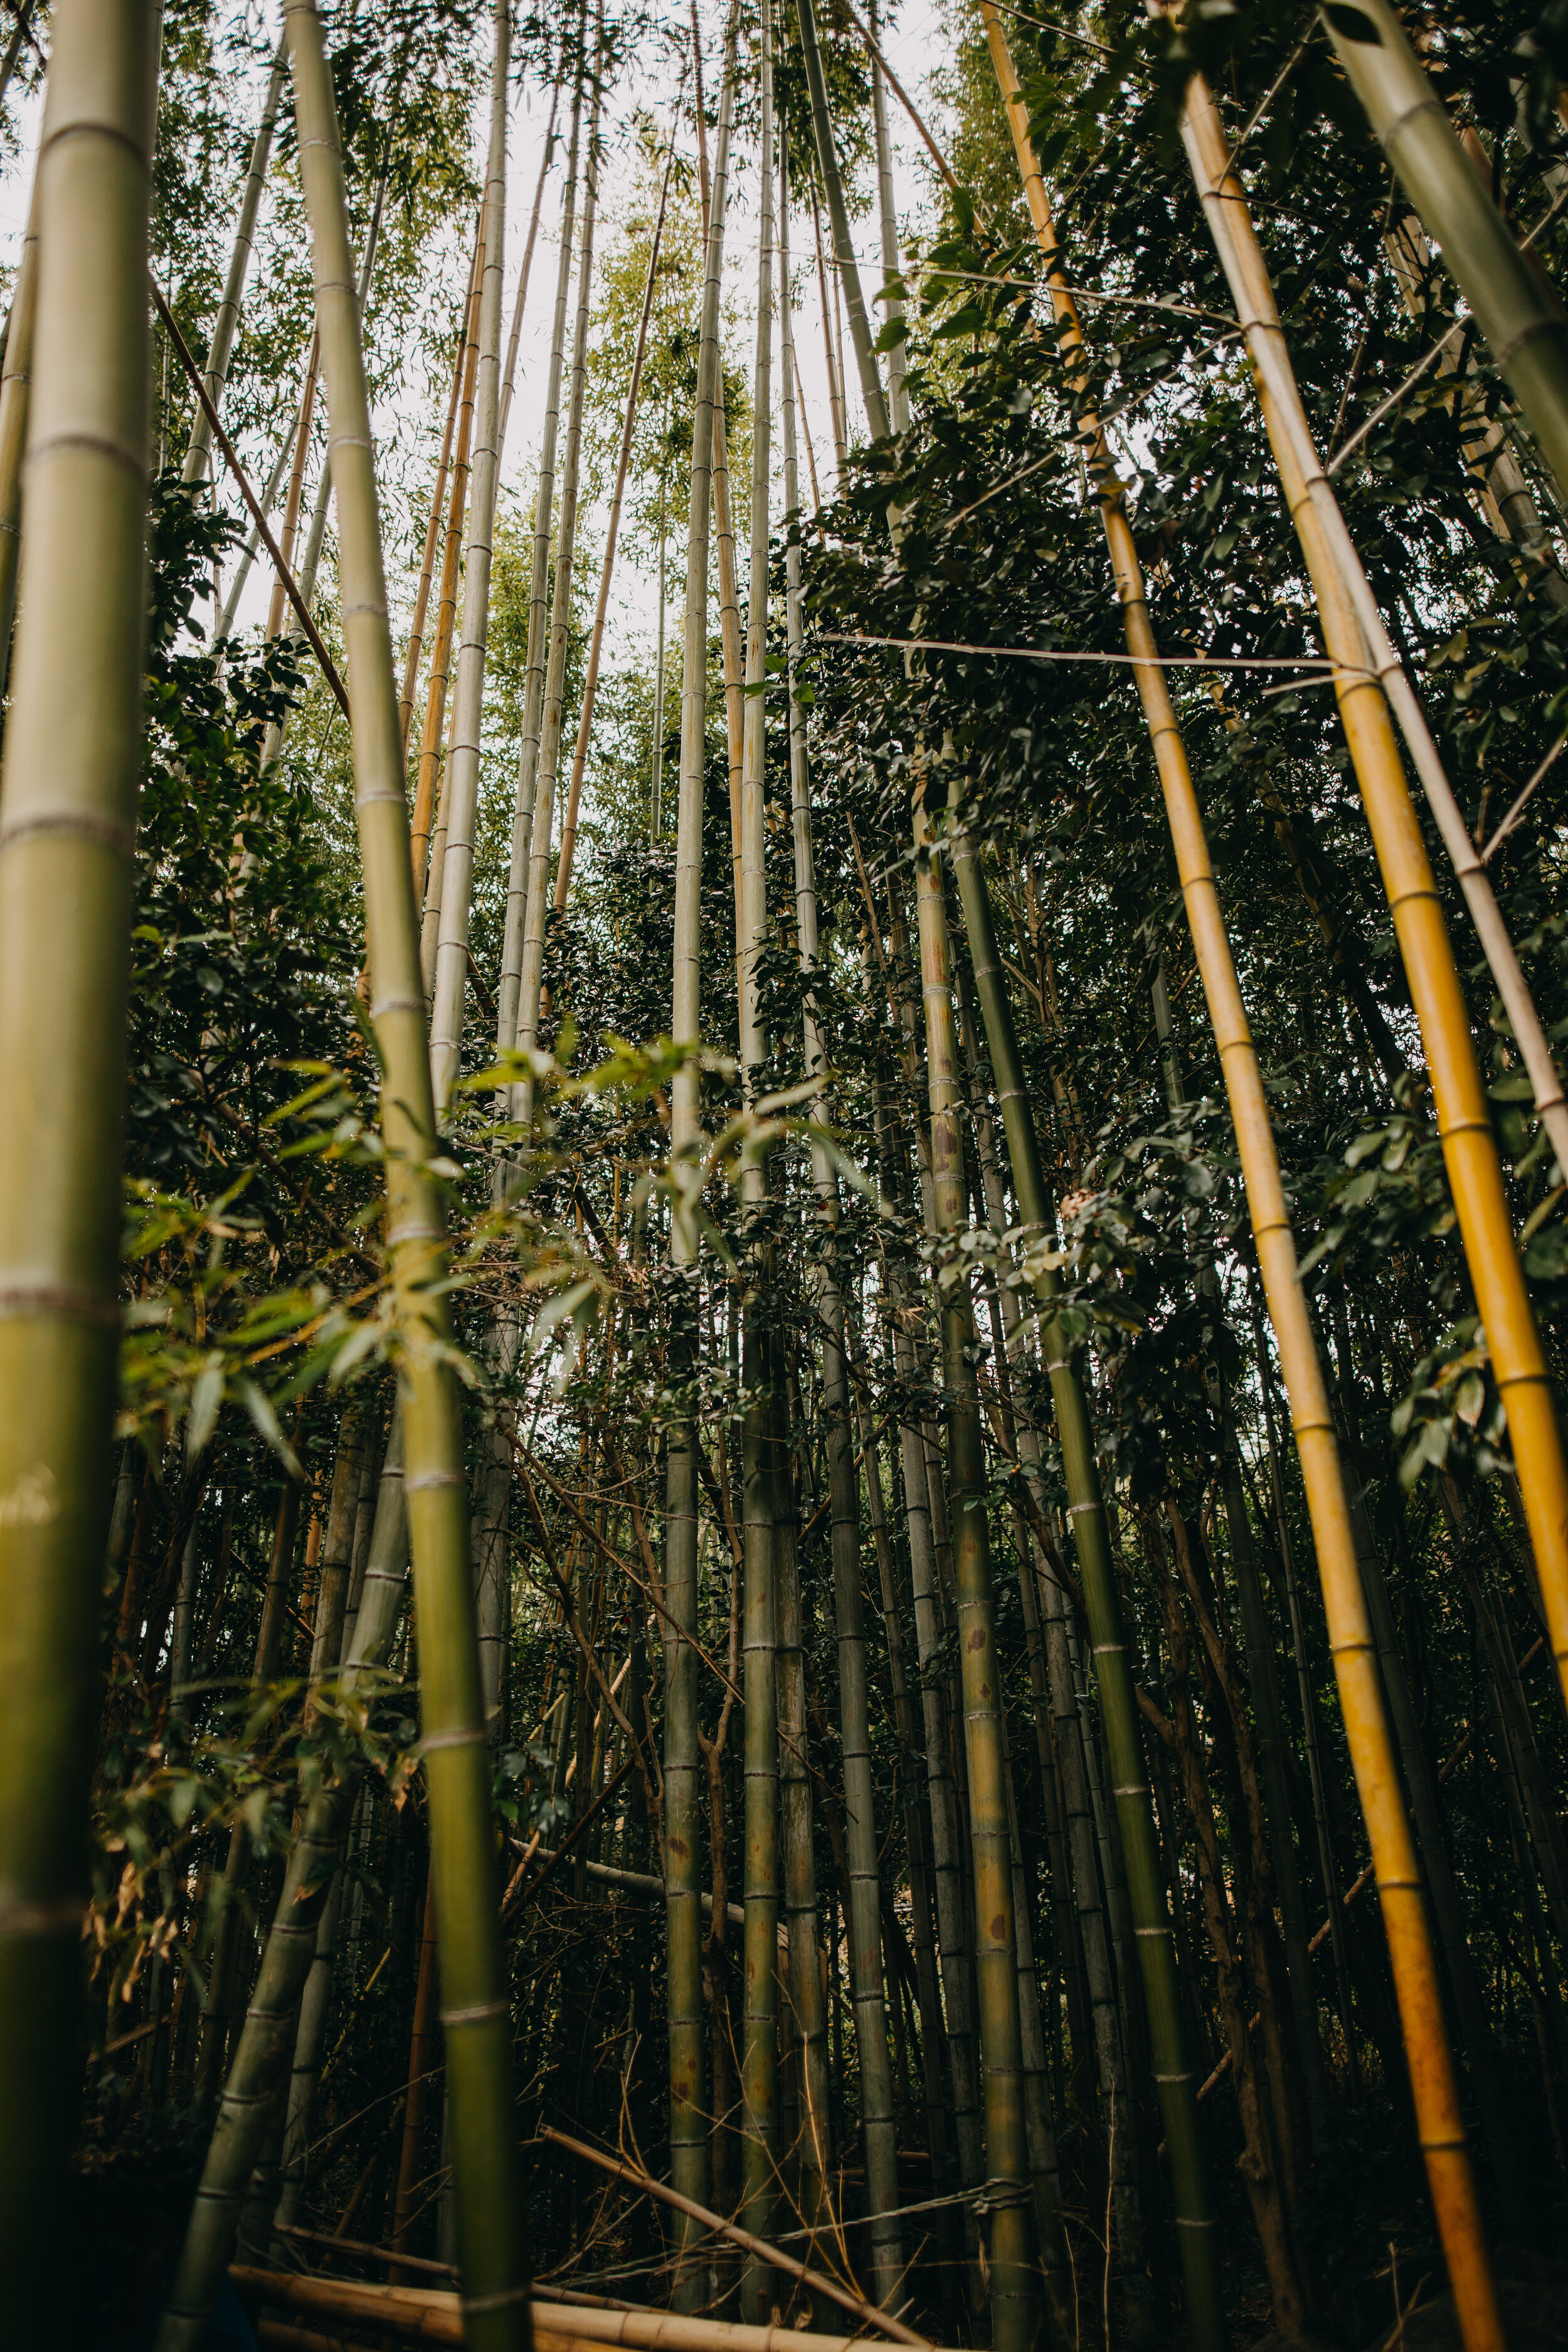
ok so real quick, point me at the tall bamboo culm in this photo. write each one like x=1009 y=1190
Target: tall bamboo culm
x=1351 y=1641
x=760 y=2037
x=511 y=986
x=808 y=2020
x=1009 y=2189
x=476 y=2015
x=689 y=2140
x=467 y=715
x=71 y=755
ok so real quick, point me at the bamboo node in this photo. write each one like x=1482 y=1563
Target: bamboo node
x=105 y=829
x=466 y=1736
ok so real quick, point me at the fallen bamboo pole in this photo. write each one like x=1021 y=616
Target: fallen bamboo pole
x=434 y=2316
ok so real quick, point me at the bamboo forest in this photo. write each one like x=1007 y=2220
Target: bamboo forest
x=784 y=1175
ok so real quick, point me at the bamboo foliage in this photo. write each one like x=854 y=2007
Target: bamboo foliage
x=65 y=843
x=1520 y=319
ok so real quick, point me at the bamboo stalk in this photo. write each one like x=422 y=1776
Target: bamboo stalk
x=1513 y=307
x=1440 y=2126
x=871 y=391
x=606 y=573
x=759 y=2051
x=1351 y=623
x=808 y=2004
x=525 y=273
x=1006 y=2151
x=511 y=986
x=296 y=483
x=536 y=915
x=420 y=822
x=436 y=2316
x=415 y=654
x=468 y=708
x=476 y=2013
x=214 y=375
x=71 y=764
x=879 y=2113
x=682 y=1783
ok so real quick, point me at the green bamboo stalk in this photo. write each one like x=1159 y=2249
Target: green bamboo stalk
x=1520 y=321
x=468 y=708
x=1191 y=2193
x=71 y=753
x=879 y=2115
x=759 y=2049
x=536 y=913
x=892 y=307
x=808 y=2016
x=952 y=1924
x=538 y=611
x=689 y=2141
x=1008 y=2181
x=476 y=2016
x=214 y=375
x=1056 y=1704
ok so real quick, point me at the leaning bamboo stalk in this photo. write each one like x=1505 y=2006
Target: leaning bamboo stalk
x=1439 y=2122
x=415 y=652
x=476 y=2012
x=531 y=978
x=467 y=714
x=682 y=1781
x=759 y=2049
x=839 y=221
x=1517 y=313
x=214 y=375
x=1351 y=623
x=510 y=983
x=595 y=643
x=71 y=762
x=419 y=826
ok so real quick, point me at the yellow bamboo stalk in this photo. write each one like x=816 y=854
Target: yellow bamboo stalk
x=446 y=610
x=1464 y=1122
x=1439 y=2124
